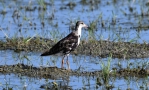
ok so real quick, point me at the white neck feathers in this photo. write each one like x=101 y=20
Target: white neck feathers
x=78 y=31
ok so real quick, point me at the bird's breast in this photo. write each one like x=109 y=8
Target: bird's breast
x=78 y=40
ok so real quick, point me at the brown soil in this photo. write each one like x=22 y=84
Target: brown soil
x=57 y=73
x=92 y=47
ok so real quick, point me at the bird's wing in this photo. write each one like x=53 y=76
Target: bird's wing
x=65 y=45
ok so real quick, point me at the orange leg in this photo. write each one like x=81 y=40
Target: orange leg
x=62 y=62
x=68 y=63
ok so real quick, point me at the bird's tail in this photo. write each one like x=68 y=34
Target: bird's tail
x=46 y=53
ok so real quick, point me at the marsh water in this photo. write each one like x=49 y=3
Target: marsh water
x=111 y=20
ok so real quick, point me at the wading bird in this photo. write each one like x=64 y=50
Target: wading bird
x=67 y=44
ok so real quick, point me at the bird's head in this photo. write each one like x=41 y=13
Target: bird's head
x=81 y=24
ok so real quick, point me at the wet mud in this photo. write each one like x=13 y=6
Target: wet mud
x=57 y=73
x=92 y=47
x=100 y=48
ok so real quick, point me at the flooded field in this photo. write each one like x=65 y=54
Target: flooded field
x=113 y=53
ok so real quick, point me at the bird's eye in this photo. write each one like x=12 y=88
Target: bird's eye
x=82 y=23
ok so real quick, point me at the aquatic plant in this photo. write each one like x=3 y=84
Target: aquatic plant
x=92 y=29
x=106 y=70
x=71 y=5
x=42 y=3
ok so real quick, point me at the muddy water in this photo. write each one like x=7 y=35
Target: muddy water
x=114 y=22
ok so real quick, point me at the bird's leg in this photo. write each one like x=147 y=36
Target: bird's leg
x=68 y=63
x=62 y=62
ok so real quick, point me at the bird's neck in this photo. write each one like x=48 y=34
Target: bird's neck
x=78 y=31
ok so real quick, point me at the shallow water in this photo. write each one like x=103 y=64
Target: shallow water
x=79 y=63
x=124 y=20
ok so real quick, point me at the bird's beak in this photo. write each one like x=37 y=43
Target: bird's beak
x=85 y=26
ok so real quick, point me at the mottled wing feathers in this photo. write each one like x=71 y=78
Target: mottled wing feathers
x=65 y=45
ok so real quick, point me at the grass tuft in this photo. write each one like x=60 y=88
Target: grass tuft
x=106 y=70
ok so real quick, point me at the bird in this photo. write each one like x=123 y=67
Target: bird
x=67 y=44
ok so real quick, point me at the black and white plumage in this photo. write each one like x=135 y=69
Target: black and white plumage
x=67 y=44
